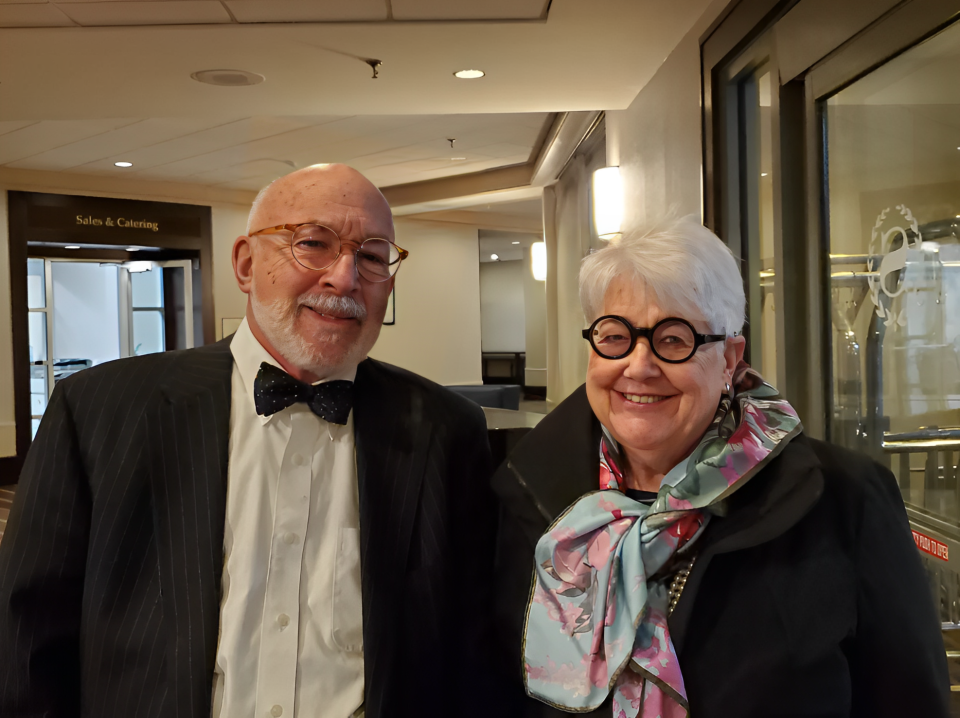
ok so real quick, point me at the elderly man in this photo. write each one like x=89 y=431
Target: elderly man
x=273 y=525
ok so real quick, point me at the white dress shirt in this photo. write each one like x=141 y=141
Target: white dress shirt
x=291 y=642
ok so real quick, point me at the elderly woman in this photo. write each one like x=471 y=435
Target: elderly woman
x=672 y=544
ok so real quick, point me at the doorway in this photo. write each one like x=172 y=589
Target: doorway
x=86 y=312
x=95 y=279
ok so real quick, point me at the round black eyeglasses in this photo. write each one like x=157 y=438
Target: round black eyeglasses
x=672 y=340
x=317 y=247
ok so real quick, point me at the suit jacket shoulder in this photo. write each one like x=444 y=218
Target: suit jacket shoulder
x=417 y=392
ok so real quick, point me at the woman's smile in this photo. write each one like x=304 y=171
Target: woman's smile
x=643 y=399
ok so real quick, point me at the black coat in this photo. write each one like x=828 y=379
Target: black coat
x=111 y=564
x=807 y=600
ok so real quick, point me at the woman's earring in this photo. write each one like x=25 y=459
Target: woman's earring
x=726 y=421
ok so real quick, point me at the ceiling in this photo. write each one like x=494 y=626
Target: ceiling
x=110 y=81
x=508 y=246
x=522 y=216
x=249 y=152
x=924 y=75
x=82 y=13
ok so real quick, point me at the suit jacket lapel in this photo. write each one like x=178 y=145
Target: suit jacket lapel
x=392 y=433
x=191 y=427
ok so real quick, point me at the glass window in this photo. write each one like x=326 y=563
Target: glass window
x=893 y=148
x=147 y=331
x=36 y=284
x=147 y=288
x=763 y=313
x=38 y=395
x=38 y=389
x=750 y=211
x=37 y=328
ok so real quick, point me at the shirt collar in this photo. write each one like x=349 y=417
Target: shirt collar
x=248 y=354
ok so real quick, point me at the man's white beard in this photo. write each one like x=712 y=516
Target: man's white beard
x=321 y=354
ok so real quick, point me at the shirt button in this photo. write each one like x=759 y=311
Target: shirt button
x=276 y=711
x=289 y=538
x=297 y=459
x=284 y=621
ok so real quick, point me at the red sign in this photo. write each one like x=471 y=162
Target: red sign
x=931 y=546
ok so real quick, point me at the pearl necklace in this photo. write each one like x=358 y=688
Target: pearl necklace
x=678 y=584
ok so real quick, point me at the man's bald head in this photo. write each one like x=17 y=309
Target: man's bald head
x=335 y=183
x=314 y=322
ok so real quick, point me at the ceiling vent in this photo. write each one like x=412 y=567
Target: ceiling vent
x=227 y=78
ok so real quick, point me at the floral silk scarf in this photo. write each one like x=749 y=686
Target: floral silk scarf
x=596 y=623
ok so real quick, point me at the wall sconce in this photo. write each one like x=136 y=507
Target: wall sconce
x=538 y=261
x=607 y=202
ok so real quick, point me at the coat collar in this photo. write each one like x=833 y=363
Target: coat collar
x=555 y=464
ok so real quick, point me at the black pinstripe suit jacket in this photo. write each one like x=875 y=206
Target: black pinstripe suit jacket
x=111 y=565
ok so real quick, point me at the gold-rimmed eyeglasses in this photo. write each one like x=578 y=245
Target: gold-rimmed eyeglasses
x=317 y=247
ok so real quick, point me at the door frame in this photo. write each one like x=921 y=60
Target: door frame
x=43 y=223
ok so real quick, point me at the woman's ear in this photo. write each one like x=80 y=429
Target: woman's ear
x=733 y=349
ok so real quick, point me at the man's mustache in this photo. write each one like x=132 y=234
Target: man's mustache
x=334 y=305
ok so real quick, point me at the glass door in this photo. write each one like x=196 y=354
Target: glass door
x=749 y=112
x=892 y=141
x=40 y=333
x=755 y=130
x=84 y=312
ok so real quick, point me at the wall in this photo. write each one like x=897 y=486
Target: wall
x=502 y=311
x=229 y=222
x=574 y=241
x=437 y=330
x=535 y=311
x=656 y=141
x=438 y=302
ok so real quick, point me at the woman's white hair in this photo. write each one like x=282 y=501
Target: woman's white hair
x=684 y=264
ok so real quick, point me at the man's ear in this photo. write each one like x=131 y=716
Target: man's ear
x=243 y=263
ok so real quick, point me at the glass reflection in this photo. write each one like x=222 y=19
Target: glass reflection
x=894 y=199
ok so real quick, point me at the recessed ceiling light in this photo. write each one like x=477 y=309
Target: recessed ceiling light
x=123 y=164
x=133 y=249
x=494 y=257
x=475 y=74
x=227 y=78
x=763 y=174
x=515 y=243
x=72 y=246
x=458 y=158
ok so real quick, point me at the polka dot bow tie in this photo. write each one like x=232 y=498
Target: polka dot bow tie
x=274 y=390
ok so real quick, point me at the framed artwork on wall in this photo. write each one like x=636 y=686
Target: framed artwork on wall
x=390 y=318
